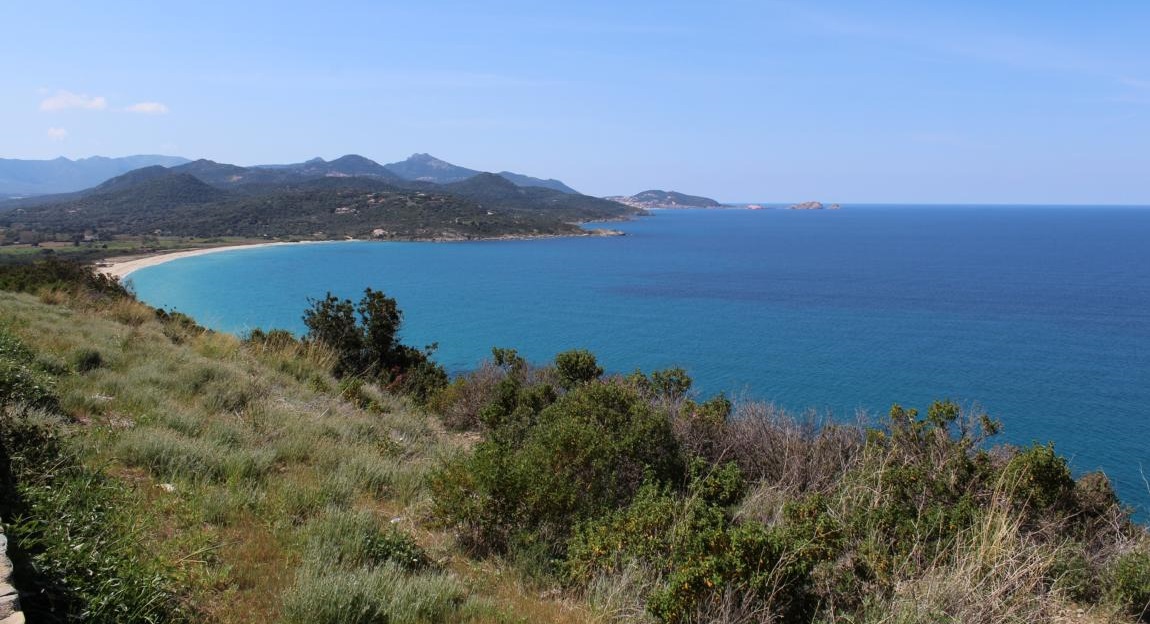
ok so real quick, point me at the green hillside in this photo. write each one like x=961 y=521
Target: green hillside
x=347 y=197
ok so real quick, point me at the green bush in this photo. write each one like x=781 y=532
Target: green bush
x=351 y=390
x=54 y=273
x=575 y=367
x=87 y=360
x=22 y=380
x=1129 y=583
x=537 y=473
x=701 y=562
x=1072 y=574
x=1039 y=477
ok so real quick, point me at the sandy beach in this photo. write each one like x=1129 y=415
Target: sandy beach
x=122 y=267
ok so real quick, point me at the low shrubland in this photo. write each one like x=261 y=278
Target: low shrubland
x=654 y=505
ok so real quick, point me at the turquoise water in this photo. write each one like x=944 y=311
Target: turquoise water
x=1040 y=315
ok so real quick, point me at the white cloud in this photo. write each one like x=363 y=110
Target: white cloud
x=64 y=100
x=148 y=108
x=57 y=134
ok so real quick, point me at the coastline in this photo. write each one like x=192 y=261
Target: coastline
x=121 y=268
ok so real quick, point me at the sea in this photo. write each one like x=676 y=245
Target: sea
x=1037 y=315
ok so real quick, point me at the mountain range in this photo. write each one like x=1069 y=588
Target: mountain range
x=427 y=168
x=20 y=178
x=62 y=175
x=351 y=196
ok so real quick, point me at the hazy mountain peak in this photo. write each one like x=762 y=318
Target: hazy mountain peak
x=63 y=175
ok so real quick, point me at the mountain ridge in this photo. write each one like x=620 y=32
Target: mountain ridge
x=351 y=196
x=22 y=177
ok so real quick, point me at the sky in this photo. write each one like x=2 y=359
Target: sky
x=742 y=100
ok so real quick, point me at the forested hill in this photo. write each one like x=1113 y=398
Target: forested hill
x=350 y=196
x=427 y=168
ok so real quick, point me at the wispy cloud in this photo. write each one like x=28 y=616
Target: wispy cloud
x=148 y=108
x=57 y=134
x=64 y=100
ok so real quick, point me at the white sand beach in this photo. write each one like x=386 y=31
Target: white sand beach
x=122 y=267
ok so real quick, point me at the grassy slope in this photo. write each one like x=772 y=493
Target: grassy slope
x=233 y=457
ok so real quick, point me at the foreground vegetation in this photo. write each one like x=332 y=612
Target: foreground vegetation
x=154 y=471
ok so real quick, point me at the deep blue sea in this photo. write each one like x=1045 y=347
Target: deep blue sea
x=1040 y=315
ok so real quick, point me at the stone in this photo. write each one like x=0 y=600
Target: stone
x=9 y=604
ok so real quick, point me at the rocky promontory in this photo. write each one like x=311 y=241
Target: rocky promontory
x=665 y=199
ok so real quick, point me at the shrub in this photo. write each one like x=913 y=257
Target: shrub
x=575 y=367
x=1129 y=583
x=1094 y=494
x=55 y=274
x=458 y=404
x=1071 y=574
x=792 y=455
x=273 y=338
x=583 y=455
x=179 y=327
x=87 y=360
x=351 y=390
x=697 y=561
x=1039 y=477
x=22 y=379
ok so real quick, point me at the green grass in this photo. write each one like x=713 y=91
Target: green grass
x=380 y=595
x=219 y=442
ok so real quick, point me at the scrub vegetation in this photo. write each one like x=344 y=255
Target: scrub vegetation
x=155 y=471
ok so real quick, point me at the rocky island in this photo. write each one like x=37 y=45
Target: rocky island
x=812 y=205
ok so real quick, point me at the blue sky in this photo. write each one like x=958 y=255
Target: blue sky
x=972 y=102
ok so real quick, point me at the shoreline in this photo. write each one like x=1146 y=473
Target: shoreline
x=121 y=268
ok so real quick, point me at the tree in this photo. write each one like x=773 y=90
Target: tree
x=575 y=367
x=331 y=321
x=365 y=339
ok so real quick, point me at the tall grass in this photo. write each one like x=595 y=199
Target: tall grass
x=172 y=456
x=380 y=595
